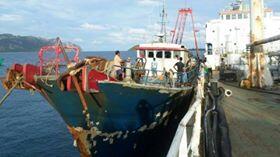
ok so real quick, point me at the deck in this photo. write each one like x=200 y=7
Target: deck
x=254 y=122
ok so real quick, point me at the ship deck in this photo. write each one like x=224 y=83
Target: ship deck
x=254 y=122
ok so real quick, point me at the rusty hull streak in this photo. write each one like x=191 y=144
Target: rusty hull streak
x=84 y=145
x=80 y=136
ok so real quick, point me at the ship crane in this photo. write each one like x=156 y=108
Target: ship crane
x=178 y=32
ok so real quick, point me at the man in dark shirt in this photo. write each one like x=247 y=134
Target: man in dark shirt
x=179 y=68
x=222 y=69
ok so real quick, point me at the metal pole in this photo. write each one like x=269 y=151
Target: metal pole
x=77 y=86
x=10 y=91
x=264 y=41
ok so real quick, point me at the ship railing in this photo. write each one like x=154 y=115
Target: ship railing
x=190 y=76
x=186 y=141
x=163 y=78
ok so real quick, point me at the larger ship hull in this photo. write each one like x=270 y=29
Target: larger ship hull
x=126 y=119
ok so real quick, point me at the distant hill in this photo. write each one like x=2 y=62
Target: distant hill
x=16 y=43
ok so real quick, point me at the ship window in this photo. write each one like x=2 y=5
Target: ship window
x=151 y=54
x=233 y=16
x=228 y=17
x=159 y=54
x=239 y=16
x=142 y=54
x=246 y=16
x=209 y=48
x=176 y=54
x=167 y=54
x=267 y=14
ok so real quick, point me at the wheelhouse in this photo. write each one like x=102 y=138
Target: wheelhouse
x=166 y=54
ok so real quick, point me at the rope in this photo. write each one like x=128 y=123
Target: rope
x=49 y=73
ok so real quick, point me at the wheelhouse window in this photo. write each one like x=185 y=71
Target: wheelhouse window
x=159 y=54
x=245 y=16
x=233 y=16
x=228 y=17
x=239 y=16
x=151 y=54
x=167 y=54
x=142 y=54
x=176 y=54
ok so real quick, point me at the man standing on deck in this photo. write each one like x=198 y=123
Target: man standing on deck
x=179 y=68
x=117 y=65
x=154 y=67
x=208 y=70
x=222 y=69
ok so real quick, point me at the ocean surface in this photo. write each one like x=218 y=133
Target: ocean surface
x=29 y=126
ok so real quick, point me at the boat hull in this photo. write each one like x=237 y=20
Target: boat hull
x=126 y=120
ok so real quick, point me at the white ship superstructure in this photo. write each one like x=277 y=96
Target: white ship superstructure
x=230 y=34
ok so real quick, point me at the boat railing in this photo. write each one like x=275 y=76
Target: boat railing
x=186 y=141
x=164 y=78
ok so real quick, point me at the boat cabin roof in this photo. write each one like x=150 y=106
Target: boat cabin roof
x=162 y=46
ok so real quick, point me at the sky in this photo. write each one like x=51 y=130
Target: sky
x=106 y=25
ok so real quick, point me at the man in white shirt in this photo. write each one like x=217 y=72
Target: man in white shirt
x=154 y=67
x=117 y=65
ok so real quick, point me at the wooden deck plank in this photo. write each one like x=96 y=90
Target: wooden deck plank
x=254 y=122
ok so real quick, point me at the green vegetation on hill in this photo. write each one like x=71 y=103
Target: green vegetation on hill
x=12 y=43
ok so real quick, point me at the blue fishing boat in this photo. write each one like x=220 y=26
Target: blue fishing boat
x=122 y=110
x=136 y=116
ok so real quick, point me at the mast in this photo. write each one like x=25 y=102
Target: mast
x=163 y=23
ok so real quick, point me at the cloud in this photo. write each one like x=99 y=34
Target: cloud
x=148 y=2
x=117 y=37
x=10 y=17
x=2 y=4
x=129 y=35
x=96 y=42
x=78 y=40
x=136 y=31
x=88 y=26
